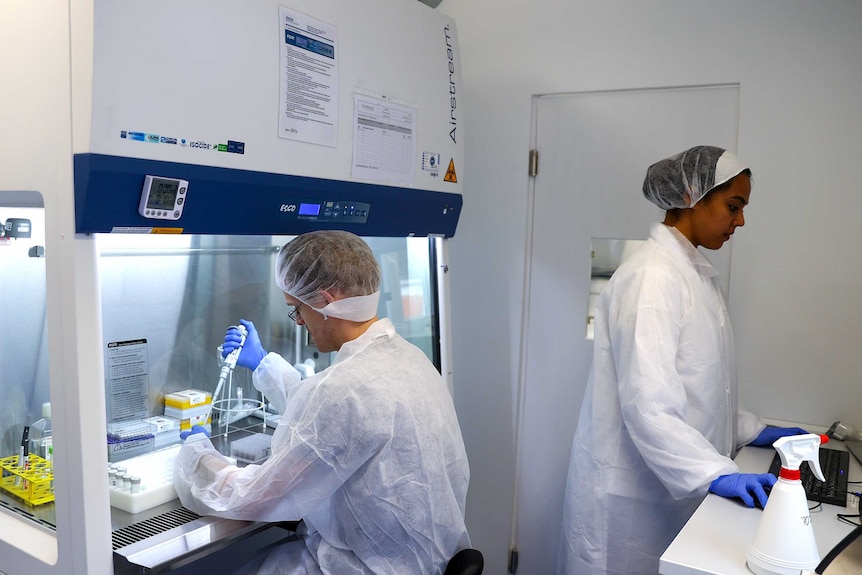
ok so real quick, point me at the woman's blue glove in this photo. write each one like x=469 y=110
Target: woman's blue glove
x=768 y=436
x=195 y=429
x=252 y=353
x=746 y=486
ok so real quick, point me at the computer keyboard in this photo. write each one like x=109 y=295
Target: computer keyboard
x=835 y=465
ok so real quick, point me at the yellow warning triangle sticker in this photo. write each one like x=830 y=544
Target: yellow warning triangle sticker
x=450 y=173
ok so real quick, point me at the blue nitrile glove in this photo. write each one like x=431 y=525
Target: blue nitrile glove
x=768 y=436
x=195 y=429
x=746 y=486
x=252 y=353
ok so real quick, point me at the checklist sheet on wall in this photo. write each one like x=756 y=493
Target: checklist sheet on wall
x=384 y=143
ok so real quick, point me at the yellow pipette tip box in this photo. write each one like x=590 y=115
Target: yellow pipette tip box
x=188 y=398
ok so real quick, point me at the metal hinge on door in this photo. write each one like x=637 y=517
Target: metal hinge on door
x=513 y=560
x=534 y=163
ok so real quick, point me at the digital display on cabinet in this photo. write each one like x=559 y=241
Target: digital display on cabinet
x=163 y=198
x=163 y=194
x=309 y=209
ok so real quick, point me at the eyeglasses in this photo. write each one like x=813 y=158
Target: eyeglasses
x=295 y=315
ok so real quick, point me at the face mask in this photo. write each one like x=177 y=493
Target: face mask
x=356 y=308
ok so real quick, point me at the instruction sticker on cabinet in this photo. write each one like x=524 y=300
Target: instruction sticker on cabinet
x=128 y=397
x=308 y=102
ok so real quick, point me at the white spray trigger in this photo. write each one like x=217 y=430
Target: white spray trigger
x=794 y=449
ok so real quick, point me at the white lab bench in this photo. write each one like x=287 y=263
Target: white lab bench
x=715 y=540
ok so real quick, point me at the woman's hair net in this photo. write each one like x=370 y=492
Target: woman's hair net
x=336 y=261
x=682 y=180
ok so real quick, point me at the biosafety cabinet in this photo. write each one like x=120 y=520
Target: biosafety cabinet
x=153 y=158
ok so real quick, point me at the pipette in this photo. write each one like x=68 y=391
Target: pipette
x=229 y=362
x=23 y=454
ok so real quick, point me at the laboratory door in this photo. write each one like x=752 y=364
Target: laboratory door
x=593 y=151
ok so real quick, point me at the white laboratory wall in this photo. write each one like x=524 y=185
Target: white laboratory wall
x=795 y=279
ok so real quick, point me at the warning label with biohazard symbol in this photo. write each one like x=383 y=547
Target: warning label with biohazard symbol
x=450 y=173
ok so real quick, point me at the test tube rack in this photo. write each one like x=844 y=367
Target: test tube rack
x=156 y=470
x=35 y=485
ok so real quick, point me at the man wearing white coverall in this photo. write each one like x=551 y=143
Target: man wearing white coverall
x=660 y=421
x=368 y=452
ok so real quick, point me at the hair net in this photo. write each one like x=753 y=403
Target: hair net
x=682 y=180
x=336 y=261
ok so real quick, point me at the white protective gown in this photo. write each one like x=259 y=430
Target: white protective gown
x=660 y=418
x=368 y=453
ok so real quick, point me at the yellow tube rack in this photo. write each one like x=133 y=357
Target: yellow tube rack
x=35 y=485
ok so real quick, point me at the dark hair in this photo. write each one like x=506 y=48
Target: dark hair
x=723 y=186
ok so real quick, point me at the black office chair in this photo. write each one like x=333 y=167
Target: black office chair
x=466 y=562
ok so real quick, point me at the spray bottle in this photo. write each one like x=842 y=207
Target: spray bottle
x=784 y=543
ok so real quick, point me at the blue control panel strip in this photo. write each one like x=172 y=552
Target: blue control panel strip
x=243 y=202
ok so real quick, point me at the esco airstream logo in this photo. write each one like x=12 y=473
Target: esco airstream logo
x=289 y=208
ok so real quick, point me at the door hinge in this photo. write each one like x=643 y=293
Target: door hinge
x=513 y=560
x=534 y=163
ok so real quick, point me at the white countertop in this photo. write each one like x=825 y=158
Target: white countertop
x=715 y=540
